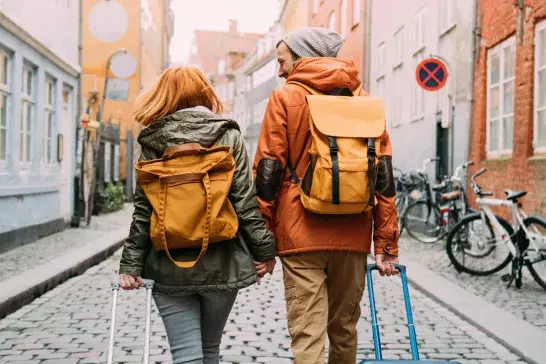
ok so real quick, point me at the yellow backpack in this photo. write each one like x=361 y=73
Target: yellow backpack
x=344 y=153
x=188 y=189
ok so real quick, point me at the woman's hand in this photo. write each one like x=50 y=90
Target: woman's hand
x=129 y=282
x=262 y=268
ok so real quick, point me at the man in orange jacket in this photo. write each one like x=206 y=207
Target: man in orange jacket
x=324 y=256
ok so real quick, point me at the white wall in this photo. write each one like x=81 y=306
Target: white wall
x=414 y=136
x=55 y=23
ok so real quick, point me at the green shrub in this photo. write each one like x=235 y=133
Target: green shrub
x=114 y=197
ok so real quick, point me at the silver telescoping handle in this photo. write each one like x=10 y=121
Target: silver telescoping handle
x=149 y=285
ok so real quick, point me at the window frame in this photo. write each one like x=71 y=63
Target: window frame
x=49 y=121
x=451 y=18
x=540 y=27
x=332 y=17
x=419 y=19
x=397 y=97
x=493 y=51
x=398 y=48
x=381 y=57
x=356 y=12
x=315 y=6
x=344 y=19
x=5 y=91
x=418 y=93
x=27 y=99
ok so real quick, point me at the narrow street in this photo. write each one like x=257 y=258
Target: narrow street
x=70 y=325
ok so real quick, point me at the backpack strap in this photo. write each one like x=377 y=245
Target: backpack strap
x=371 y=170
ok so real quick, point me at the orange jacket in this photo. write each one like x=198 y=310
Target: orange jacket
x=284 y=137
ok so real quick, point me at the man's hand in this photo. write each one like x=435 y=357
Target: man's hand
x=129 y=282
x=262 y=268
x=385 y=263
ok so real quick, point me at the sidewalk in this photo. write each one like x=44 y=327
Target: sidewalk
x=31 y=270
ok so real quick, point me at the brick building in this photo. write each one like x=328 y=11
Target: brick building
x=349 y=18
x=508 y=133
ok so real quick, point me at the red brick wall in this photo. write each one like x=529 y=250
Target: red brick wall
x=352 y=47
x=524 y=169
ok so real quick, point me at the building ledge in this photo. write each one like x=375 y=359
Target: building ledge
x=17 y=190
x=540 y=158
x=498 y=159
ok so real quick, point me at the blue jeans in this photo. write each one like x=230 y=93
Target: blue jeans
x=194 y=324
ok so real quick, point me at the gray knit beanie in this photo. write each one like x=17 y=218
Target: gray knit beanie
x=314 y=42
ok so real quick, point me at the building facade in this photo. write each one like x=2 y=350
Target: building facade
x=39 y=70
x=350 y=19
x=219 y=54
x=294 y=14
x=125 y=48
x=424 y=124
x=509 y=116
x=255 y=80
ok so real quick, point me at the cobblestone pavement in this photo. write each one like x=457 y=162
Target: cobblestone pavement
x=70 y=325
x=527 y=303
x=26 y=257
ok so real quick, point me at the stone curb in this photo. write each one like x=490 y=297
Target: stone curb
x=18 y=291
x=519 y=336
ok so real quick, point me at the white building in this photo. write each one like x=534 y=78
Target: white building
x=38 y=97
x=420 y=122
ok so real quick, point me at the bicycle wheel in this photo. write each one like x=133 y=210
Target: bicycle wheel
x=423 y=222
x=401 y=203
x=534 y=247
x=473 y=247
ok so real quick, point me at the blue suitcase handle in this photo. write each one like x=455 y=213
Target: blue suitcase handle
x=375 y=326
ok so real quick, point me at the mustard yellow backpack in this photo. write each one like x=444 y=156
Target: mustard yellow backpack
x=345 y=138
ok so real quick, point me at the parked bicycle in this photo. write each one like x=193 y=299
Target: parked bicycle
x=430 y=219
x=483 y=243
x=410 y=187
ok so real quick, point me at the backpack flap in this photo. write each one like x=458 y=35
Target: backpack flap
x=348 y=117
x=346 y=134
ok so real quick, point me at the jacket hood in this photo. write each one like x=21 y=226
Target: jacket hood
x=185 y=126
x=325 y=74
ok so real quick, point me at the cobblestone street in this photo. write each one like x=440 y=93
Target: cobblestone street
x=70 y=325
x=527 y=303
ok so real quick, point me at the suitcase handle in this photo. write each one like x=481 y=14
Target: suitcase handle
x=149 y=285
x=375 y=327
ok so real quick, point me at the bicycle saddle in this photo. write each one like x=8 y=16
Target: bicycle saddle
x=514 y=195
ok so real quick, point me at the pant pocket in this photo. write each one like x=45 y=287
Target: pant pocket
x=293 y=308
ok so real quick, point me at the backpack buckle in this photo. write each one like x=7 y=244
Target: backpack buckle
x=333 y=145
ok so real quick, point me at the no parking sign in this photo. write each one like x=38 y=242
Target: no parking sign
x=431 y=74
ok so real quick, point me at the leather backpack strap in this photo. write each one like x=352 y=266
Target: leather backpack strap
x=180 y=148
x=206 y=228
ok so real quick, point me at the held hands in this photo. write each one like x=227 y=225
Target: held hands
x=385 y=263
x=262 y=268
x=129 y=282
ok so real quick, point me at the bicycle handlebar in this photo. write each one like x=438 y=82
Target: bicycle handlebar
x=458 y=170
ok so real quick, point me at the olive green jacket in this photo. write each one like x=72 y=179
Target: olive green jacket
x=227 y=265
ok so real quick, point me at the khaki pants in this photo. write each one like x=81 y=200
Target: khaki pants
x=323 y=292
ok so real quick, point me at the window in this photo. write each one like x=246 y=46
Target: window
x=447 y=15
x=356 y=12
x=344 y=15
x=332 y=21
x=397 y=95
x=418 y=94
x=381 y=60
x=398 y=47
x=49 y=108
x=381 y=93
x=116 y=162
x=419 y=30
x=4 y=102
x=107 y=161
x=315 y=6
x=501 y=64
x=221 y=66
x=27 y=112
x=540 y=87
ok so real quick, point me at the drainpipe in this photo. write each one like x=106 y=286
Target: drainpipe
x=476 y=38
x=78 y=182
